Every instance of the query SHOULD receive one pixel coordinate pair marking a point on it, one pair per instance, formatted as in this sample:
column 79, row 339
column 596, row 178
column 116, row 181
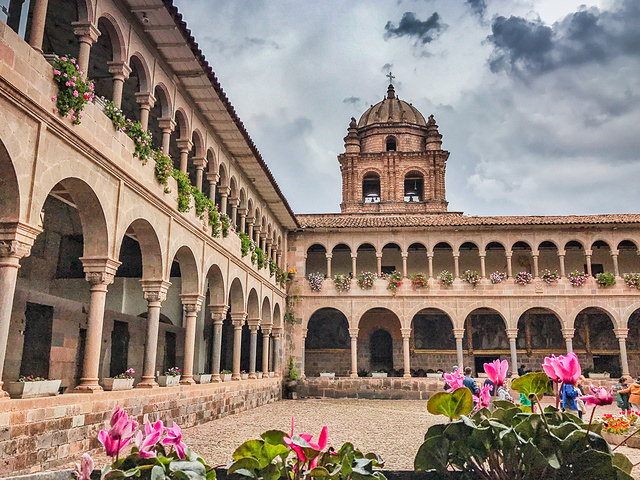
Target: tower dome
column 391, row 110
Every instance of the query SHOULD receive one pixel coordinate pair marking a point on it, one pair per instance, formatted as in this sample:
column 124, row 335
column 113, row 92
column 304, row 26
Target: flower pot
column 114, row 384
column 291, row 389
column 225, row 377
column 434, row 375
column 614, row 439
column 379, row 374
column 169, row 380
column 272, row 374
column 258, row 374
column 599, row 375
column 43, row 388
column 328, row 374
column 202, row 378
column 244, row 376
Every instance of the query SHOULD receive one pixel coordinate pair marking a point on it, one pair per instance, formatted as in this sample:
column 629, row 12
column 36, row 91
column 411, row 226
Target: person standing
column 469, row 382
column 569, row 394
column 622, row 399
column 634, row 394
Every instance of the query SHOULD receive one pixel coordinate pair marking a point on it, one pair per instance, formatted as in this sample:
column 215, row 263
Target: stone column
column 567, row 333
column 406, row 335
column 185, row 147
column 304, row 355
column 614, row 257
column 254, row 324
column 621, row 335
column 155, row 292
column 329, row 257
column 146, row 101
column 167, row 125
column 354, row 265
column 120, row 72
column 456, row 264
column 191, row 305
column 512, row 335
column 561, row 254
column 353, row 332
column 38, row 21
column 238, row 320
column 250, row 227
column 87, row 34
column 405, row 255
column 379, row 263
column 509, row 267
column 277, row 336
column 224, row 195
column 267, row 249
column 212, row 178
column 256, row 234
column 234, row 210
column 243, row 219
column 266, row 334
column 587, row 254
column 430, row 262
column 99, row 272
column 536, row 272
column 11, row 251
column 483, row 267
column 458, row 333
column 263, row 242
column 218, row 314
column 200, row 164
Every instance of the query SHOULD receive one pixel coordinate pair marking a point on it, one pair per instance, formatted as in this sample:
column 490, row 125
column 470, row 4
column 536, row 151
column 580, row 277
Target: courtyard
column 394, row 429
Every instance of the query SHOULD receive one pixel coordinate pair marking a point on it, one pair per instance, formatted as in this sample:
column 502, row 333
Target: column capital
column 328, row 255
column 234, row 201
column 119, row 70
column 155, row 291
column 212, row 177
column 404, row 254
column 253, row 324
column 262, row 234
column 621, row 333
column 145, row 99
column 199, row 162
column 458, row 333
column 304, row 333
column 456, row 254
column 614, row 253
column 192, row 302
column 406, row 332
column 567, row 333
column 99, row 271
column 561, row 253
column 353, row 332
column 238, row 319
column 588, row 252
column 87, row 31
column 535, row 253
column 266, row 329
column 277, row 331
column 354, row 255
column 512, row 333
column 378, row 254
column 184, row 145
column 508, row 254
column 429, row 253
column 242, row 212
column 14, row 249
column 166, row 123
column 482, row 253
column 224, row 191
column 218, row 313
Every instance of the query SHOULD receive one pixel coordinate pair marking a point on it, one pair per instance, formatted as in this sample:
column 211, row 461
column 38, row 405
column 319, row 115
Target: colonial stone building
column 102, row 270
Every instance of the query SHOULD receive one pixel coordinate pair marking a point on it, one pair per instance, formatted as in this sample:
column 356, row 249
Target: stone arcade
column 100, row 272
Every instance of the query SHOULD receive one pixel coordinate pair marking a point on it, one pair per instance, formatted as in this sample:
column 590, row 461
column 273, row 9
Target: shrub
column 315, row 281
column 472, row 277
column 549, row 276
column 293, row 370
column 419, row 281
column 606, row 279
column 395, row 281
column 445, row 278
column 342, row 282
column 366, row 279
column 632, row 280
column 74, row 91
column 245, row 244
column 497, row 277
column 523, row 278
column 578, row 278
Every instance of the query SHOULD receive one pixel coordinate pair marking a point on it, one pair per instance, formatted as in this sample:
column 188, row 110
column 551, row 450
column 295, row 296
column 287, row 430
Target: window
column 413, row 188
column 371, row 188
column 391, row 144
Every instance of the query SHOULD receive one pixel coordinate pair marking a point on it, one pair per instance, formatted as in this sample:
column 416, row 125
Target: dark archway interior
column 381, row 350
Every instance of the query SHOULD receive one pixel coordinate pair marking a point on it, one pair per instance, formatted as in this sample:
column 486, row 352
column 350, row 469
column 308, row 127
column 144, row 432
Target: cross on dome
column 390, row 76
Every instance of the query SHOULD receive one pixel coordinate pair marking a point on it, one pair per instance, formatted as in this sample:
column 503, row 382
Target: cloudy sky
column 538, row 101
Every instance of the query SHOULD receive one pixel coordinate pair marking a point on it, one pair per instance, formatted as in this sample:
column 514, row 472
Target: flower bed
column 445, row 278
column 549, row 276
column 30, row 387
column 497, row 277
column 523, row 278
column 316, row 279
column 471, row 277
column 632, row 280
column 577, row 278
column 419, row 280
column 366, row 279
column 342, row 282
column 395, row 281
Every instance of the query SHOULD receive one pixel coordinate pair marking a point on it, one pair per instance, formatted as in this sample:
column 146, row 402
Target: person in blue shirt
column 569, row 393
column 469, row 382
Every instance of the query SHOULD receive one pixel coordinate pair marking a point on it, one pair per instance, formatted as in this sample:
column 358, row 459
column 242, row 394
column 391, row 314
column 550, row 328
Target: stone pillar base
column 236, row 376
column 215, row 378
column 253, row 376
column 147, row 383
column 353, row 375
column 87, row 389
column 187, row 381
column 406, row 375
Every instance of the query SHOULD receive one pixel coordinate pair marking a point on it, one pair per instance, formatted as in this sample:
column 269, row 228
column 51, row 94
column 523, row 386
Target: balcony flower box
column 258, row 374
column 169, row 380
column 434, row 375
column 601, row 376
column 244, row 376
column 379, row 374
column 328, row 374
column 40, row 388
column 202, row 378
column 225, row 377
column 114, row 384
column 614, row 439
column 272, row 374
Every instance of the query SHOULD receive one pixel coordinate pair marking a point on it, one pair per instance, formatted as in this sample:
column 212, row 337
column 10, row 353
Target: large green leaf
column 244, row 466
column 452, row 405
column 535, row 383
column 274, row 437
column 622, row 462
column 433, row 454
column 250, row 448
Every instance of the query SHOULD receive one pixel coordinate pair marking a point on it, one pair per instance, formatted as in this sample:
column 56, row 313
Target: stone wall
column 45, row 432
column 392, row 388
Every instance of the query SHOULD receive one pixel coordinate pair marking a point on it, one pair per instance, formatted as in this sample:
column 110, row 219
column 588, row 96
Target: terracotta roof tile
column 338, row 220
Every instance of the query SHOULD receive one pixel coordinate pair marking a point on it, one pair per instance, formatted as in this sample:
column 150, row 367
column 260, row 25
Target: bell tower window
column 413, row 187
column 391, row 144
column 371, row 188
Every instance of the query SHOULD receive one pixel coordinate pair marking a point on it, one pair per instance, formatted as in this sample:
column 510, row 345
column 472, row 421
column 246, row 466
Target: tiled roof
column 338, row 220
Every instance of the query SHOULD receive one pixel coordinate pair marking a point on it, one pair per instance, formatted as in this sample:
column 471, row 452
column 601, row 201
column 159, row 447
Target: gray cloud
column 423, row 31
column 529, row 47
column 478, row 7
column 352, row 100
column 386, row 67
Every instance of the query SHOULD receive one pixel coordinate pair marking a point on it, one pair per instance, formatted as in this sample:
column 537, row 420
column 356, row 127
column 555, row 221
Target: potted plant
column 202, row 378
column 342, row 282
column 379, row 374
column 291, row 383
column 606, row 279
column 599, row 375
column 225, row 375
column 272, row 374
column 445, row 278
column 171, row 377
column 366, row 279
column 291, row 274
column 419, row 280
column 328, row 374
column 549, row 276
column 497, row 277
column 523, row 278
column 258, row 374
column 124, row 381
column 316, row 280
column 471, row 277
column 31, row 387
column 577, row 278
column 244, row 375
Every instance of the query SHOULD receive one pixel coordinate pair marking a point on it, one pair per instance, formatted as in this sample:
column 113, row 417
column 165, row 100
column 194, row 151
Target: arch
column 391, row 258
column 144, row 233
column 119, row 50
column 277, row 318
column 628, row 243
column 253, row 304
column 212, row 161
column 522, row 259
column 144, row 75
column 341, row 260
column 443, row 308
column 223, row 181
column 594, row 340
column 600, row 243
column 242, row 198
column 574, row 243
column 316, row 260
column 479, row 308
column 601, row 260
column 216, row 286
column 189, row 272
column 494, row 244
column 417, row 259
column 366, row 258
column 539, row 328
column 548, row 256
column 574, row 256
column 380, row 340
column 570, row 321
column 9, row 188
column 391, row 143
column 433, row 330
column 628, row 259
column 414, row 186
column 250, row 211
column 236, row 296
column 371, row 187
column 266, row 311
column 163, row 98
column 59, row 36
column 182, row 124
column 198, row 143
column 548, row 244
column 327, row 344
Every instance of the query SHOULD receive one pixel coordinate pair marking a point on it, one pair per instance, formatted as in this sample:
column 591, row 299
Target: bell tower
column 393, row 161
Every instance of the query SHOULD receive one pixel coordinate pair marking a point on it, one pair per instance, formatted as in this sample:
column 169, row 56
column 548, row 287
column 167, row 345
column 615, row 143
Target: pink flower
column 56, row 72
column 86, row 96
column 565, row 369
column 497, row 371
column 73, row 78
column 121, row 432
column 454, row 380
column 146, row 443
column 64, row 59
column 73, row 60
column 320, row 445
column 75, row 93
column 485, row 396
column 174, row 437
column 54, row 99
column 601, row 396
column 84, row 468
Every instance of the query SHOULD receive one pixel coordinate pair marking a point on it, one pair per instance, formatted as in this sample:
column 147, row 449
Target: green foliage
column 472, row 277
column 342, row 282
column 606, row 279
column 507, row 443
column 271, row 458
column 245, row 244
column 163, row 169
column 225, row 224
column 141, row 138
column 632, row 280
column 184, row 190
column 395, row 281
column 260, row 262
column 74, row 91
column 533, row 384
column 446, row 278
column 273, row 267
column 293, row 370
column 452, row 405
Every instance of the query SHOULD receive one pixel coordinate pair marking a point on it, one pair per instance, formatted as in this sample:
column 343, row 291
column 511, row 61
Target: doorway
column 36, row 352
column 119, row 348
column 381, row 348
